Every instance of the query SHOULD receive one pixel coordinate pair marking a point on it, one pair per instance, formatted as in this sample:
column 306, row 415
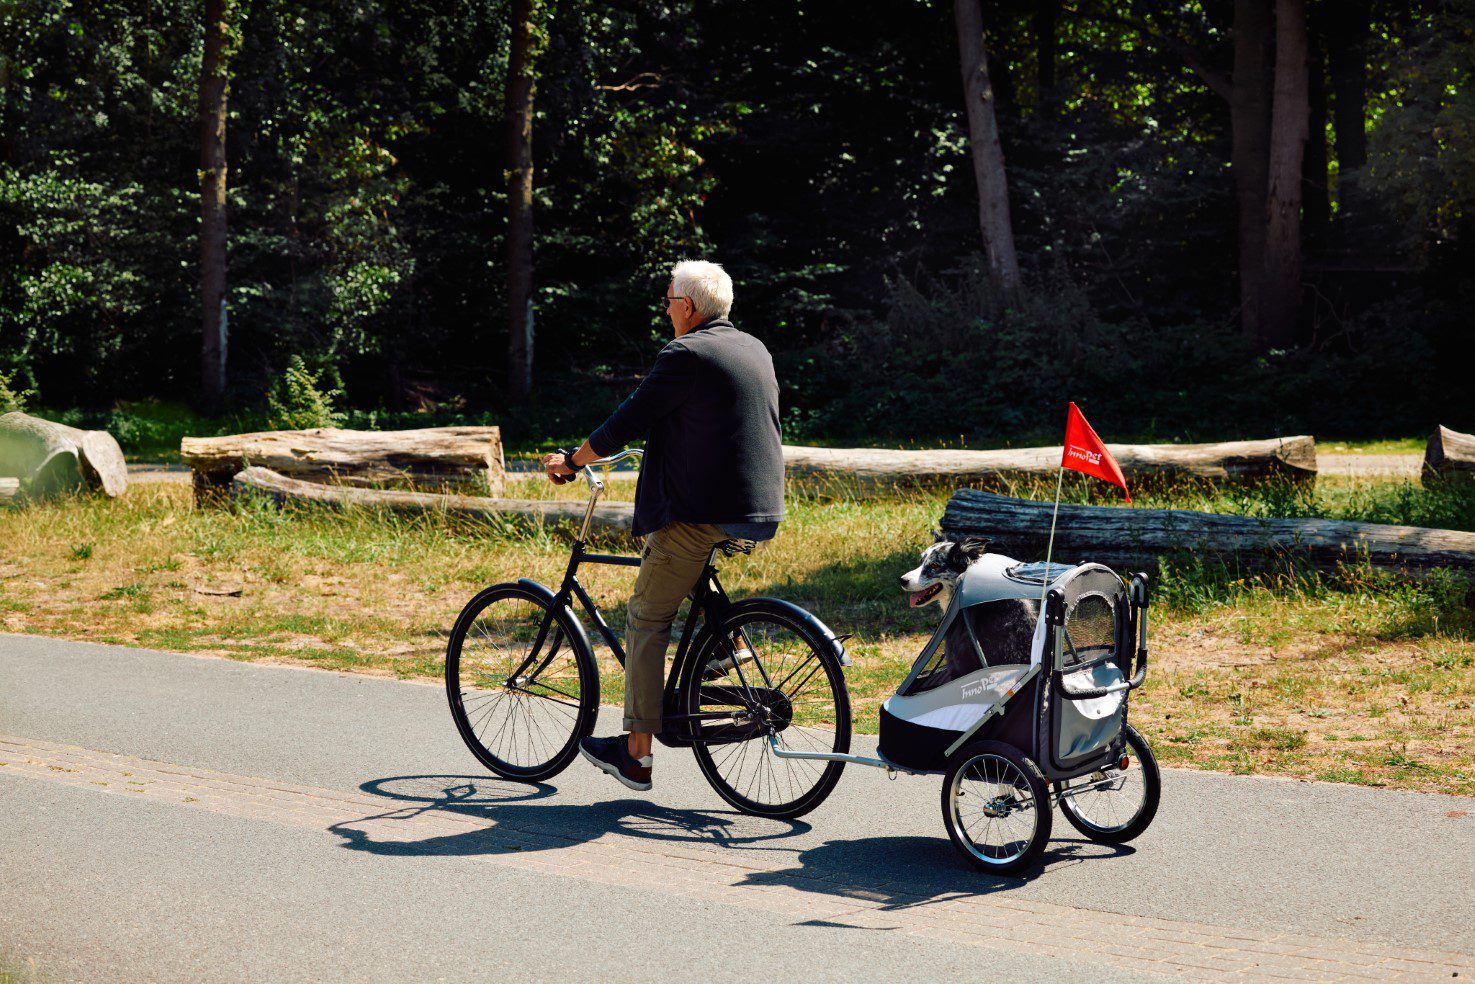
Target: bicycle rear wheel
column 768, row 671
column 520, row 711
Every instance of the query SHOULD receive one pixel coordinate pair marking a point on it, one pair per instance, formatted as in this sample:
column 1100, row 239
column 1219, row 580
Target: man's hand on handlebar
column 557, row 467
column 562, row 467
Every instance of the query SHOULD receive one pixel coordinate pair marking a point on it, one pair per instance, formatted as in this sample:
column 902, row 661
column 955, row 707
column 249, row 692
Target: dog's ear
column 974, row 546
column 965, row 552
column 938, row 536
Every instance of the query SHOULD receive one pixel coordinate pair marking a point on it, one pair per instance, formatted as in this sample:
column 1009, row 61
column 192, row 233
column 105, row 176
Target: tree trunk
column 607, row 515
column 214, row 94
column 1347, row 39
column 1047, row 18
column 988, row 156
column 434, row 456
column 521, row 84
column 1316, row 207
column 1046, row 27
column 51, row 458
column 1113, row 535
column 1234, row 461
column 1280, row 289
column 1250, row 149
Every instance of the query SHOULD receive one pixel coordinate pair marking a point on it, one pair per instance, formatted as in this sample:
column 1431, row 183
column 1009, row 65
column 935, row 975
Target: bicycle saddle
column 731, row 547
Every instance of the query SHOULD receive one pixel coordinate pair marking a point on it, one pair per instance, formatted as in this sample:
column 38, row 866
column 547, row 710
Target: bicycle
column 753, row 682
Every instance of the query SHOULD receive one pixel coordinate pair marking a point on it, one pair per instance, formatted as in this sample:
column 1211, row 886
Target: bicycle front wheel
column 768, row 672
column 522, row 685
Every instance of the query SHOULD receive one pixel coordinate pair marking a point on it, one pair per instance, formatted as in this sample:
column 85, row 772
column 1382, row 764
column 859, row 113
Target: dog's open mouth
column 919, row 598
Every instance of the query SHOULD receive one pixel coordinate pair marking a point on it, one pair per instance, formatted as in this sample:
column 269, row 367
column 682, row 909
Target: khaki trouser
column 670, row 564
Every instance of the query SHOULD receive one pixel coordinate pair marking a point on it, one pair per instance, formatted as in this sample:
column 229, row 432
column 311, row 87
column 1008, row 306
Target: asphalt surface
column 96, row 886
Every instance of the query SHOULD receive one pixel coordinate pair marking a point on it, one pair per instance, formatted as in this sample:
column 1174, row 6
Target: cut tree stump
column 9, row 490
column 607, row 515
column 49, row 458
column 434, row 457
column 1235, row 461
column 1020, row 528
column 1449, row 455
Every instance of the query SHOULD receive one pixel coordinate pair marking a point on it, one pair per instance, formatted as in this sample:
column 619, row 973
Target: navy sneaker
column 613, row 756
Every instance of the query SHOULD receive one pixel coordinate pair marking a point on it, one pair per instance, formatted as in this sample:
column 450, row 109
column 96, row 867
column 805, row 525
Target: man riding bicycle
column 713, row 471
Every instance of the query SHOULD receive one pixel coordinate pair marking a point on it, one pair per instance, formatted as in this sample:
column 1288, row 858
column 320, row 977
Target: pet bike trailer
column 1021, row 712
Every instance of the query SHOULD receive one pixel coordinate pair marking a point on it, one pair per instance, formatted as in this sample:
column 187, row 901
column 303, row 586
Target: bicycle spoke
column 786, row 687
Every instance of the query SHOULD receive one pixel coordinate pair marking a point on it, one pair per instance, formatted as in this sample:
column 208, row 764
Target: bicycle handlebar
column 596, row 484
column 621, row 456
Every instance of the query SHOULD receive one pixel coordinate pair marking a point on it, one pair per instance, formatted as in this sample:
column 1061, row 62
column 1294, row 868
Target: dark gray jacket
column 708, row 411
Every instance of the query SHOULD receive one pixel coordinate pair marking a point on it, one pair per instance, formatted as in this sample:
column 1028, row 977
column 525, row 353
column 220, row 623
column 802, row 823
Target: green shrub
column 12, row 399
column 297, row 400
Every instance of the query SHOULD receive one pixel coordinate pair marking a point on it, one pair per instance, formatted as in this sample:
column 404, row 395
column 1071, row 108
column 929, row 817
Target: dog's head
column 942, row 564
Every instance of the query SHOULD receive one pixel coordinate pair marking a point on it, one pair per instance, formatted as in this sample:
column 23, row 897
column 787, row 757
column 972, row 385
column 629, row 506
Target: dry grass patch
column 1358, row 678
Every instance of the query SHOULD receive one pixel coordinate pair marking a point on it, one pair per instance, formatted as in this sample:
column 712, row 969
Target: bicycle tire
column 528, row 732
column 1080, row 816
column 793, row 786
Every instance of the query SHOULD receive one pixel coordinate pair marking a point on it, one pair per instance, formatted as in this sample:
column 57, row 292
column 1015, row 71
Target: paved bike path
column 175, row 817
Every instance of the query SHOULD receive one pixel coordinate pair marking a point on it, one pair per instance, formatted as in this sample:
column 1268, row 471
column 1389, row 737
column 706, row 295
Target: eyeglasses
column 674, row 297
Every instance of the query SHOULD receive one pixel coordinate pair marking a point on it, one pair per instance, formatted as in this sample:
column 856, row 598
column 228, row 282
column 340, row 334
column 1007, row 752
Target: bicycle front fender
column 548, row 596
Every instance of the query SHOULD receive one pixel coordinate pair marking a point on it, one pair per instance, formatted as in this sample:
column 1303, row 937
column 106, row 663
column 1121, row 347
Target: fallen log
column 49, row 458
column 607, row 515
column 435, row 457
column 1113, row 535
column 1449, row 455
column 1234, row 461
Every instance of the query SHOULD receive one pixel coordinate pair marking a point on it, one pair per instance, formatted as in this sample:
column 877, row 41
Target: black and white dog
column 943, row 564
column 995, row 633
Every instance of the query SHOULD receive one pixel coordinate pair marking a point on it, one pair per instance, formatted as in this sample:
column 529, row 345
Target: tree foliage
column 817, row 148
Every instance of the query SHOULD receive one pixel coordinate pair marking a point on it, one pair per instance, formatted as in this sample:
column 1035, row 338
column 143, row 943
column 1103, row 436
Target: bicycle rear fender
column 546, row 593
column 811, row 621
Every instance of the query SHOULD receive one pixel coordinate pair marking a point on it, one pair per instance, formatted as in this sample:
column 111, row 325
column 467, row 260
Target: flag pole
column 1050, row 547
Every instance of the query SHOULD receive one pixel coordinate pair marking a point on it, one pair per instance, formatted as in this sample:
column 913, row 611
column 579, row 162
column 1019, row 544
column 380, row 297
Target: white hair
column 707, row 284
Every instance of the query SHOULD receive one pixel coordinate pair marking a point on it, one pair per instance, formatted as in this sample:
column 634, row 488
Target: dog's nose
column 903, row 580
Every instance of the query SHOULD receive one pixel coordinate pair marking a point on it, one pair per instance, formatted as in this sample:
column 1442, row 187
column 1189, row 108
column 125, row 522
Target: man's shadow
column 894, row 872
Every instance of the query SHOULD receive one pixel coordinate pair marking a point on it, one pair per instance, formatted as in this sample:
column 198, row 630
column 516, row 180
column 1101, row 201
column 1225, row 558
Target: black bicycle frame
column 709, row 604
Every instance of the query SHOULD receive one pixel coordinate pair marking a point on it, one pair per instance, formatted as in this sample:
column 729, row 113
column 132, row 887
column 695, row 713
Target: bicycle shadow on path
column 885, row 872
column 513, row 823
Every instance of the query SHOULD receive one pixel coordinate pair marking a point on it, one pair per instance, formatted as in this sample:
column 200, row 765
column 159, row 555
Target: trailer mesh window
column 1090, row 630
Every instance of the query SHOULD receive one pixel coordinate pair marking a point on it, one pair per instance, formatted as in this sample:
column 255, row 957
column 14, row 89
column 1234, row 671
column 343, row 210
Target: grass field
column 1358, row 677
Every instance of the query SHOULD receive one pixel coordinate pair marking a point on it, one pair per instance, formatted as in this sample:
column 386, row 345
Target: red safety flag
column 1084, row 452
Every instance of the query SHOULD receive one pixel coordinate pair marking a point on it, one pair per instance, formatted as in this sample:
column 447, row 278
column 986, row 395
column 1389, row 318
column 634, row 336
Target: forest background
column 405, row 195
